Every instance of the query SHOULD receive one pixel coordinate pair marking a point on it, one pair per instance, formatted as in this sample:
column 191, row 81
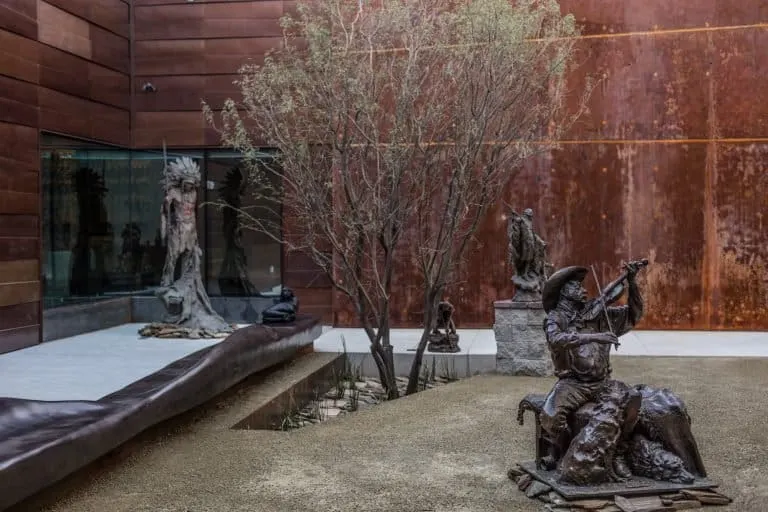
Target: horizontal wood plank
column 169, row 57
column 19, row 56
column 185, row 92
column 19, row 147
column 110, row 49
column 64, row 72
column 12, row 180
column 19, row 315
column 68, row 114
column 177, row 128
column 200, row 56
column 16, row 339
column 19, row 271
column 20, row 17
column 113, row 15
column 18, row 248
column 18, row 226
column 138, row 3
column 19, row 293
column 19, row 202
column 234, row 19
column 18, row 102
column 63, row 30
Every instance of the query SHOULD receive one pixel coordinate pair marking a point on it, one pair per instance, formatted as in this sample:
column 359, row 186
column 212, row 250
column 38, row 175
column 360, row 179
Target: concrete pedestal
column 521, row 346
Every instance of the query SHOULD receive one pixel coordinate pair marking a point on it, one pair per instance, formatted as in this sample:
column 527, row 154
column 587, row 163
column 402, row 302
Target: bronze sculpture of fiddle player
column 579, row 334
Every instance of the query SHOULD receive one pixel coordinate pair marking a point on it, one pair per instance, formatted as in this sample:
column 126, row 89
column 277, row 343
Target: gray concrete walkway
column 89, row 366
column 93, row 365
column 478, row 347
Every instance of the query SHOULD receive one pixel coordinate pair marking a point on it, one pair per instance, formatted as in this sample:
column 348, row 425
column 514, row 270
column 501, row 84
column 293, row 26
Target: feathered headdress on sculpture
column 180, row 170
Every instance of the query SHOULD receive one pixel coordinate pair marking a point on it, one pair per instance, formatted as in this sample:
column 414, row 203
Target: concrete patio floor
column 478, row 347
column 445, row 449
column 89, row 366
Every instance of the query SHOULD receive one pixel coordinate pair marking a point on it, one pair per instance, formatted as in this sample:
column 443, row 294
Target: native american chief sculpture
column 595, row 429
column 185, row 299
column 527, row 255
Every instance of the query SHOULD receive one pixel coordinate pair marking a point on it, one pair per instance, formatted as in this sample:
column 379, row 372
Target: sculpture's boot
column 557, row 448
column 620, row 465
column 631, row 415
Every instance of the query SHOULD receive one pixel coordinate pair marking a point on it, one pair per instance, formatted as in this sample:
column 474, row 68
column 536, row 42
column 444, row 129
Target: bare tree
column 398, row 123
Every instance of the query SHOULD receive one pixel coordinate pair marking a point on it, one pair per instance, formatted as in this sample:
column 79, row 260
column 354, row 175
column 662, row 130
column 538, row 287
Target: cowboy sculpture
column 597, row 429
column 580, row 333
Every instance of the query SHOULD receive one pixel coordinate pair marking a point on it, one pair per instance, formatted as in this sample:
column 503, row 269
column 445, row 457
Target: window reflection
column 240, row 260
column 85, row 204
column 101, row 223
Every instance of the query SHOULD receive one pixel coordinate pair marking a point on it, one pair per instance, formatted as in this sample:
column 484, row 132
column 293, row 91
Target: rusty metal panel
column 740, row 270
column 613, row 17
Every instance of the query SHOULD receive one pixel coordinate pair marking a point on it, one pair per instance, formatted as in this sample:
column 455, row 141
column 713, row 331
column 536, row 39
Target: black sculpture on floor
column 447, row 341
column 593, row 430
column 283, row 310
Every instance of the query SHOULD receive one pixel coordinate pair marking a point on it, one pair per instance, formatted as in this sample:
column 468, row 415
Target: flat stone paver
column 445, row 449
column 89, row 366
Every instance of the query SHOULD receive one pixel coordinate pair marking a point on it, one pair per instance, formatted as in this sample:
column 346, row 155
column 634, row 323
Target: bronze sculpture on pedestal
column 448, row 341
column 595, row 435
column 527, row 253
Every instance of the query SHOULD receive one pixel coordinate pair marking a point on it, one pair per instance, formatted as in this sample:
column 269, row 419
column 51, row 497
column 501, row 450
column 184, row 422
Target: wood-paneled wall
column 64, row 67
column 192, row 51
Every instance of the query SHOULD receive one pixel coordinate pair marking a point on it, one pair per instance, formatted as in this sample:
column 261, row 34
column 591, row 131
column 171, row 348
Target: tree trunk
column 413, row 377
column 382, row 356
column 429, row 318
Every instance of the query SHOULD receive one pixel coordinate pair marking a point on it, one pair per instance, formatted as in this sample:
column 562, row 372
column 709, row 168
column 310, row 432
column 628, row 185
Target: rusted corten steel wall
column 671, row 163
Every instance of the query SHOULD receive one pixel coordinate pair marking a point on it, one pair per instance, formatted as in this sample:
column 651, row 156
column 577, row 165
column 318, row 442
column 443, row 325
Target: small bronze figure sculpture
column 284, row 309
column 593, row 430
column 527, row 253
column 447, row 341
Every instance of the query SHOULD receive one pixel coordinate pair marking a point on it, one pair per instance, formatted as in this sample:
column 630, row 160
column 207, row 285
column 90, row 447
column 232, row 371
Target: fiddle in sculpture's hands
column 604, row 338
column 633, row 267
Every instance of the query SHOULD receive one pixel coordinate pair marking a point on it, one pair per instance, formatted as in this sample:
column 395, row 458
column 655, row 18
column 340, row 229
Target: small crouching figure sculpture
column 447, row 341
column 284, row 310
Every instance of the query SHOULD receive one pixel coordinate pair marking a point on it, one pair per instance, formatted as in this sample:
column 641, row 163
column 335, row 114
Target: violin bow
column 605, row 310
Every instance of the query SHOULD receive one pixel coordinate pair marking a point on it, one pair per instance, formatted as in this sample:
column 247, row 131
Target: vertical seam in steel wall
column 40, row 207
column 131, row 73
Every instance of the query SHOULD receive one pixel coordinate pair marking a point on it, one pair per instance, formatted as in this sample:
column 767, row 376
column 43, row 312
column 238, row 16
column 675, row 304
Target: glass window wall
column 101, row 223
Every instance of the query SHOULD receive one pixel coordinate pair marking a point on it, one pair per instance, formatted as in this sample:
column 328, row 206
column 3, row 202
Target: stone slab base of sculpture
column 521, row 345
column 443, row 343
column 638, row 494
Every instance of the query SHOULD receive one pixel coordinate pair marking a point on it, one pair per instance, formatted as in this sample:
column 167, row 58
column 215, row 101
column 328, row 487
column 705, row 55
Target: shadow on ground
column 447, row 449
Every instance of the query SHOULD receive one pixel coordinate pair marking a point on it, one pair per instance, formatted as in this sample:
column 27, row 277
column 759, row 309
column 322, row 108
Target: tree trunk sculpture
column 189, row 311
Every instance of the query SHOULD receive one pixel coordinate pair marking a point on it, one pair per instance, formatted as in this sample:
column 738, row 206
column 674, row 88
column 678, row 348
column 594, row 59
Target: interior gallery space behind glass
column 101, row 222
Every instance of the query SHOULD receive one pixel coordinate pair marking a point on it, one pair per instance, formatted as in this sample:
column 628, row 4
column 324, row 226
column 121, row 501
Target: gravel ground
column 446, row 449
